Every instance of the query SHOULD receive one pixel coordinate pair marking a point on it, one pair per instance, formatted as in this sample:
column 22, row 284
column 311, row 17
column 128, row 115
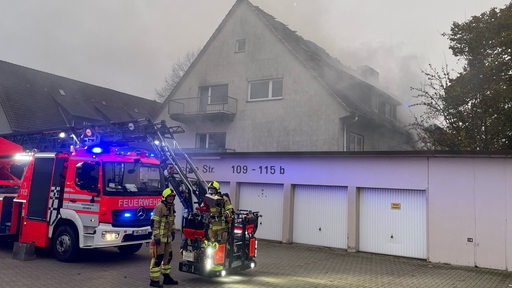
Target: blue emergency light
column 97, row 150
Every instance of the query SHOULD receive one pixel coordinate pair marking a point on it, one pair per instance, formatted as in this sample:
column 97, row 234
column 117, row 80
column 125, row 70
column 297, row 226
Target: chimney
column 368, row 74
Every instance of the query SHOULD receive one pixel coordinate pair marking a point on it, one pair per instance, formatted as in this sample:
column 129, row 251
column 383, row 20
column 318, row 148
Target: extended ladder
column 182, row 174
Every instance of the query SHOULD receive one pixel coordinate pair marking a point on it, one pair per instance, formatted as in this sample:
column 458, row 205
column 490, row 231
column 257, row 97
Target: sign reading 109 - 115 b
column 245, row 169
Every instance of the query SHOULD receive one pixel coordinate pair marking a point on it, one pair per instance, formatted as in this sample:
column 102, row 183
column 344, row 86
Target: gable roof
column 341, row 80
column 35, row 101
column 352, row 91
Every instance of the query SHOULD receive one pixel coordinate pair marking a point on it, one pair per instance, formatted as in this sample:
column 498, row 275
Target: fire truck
column 102, row 195
column 94, row 196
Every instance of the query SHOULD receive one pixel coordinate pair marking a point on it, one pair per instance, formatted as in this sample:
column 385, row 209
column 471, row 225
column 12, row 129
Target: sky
column 131, row 45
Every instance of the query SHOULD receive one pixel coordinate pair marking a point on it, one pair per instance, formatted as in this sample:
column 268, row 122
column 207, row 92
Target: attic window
column 240, row 46
column 136, row 110
column 103, row 102
column 62, row 92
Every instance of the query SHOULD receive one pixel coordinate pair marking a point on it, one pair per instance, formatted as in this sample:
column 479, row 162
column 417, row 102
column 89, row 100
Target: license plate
column 189, row 256
column 140, row 232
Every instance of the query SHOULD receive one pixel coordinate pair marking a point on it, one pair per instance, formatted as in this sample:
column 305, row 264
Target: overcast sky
column 131, row 45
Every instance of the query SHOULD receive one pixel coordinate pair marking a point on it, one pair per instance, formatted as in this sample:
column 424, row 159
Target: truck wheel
column 129, row 249
column 65, row 244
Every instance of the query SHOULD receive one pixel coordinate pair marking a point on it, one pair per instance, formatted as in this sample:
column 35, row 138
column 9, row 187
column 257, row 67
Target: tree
column 473, row 109
column 178, row 70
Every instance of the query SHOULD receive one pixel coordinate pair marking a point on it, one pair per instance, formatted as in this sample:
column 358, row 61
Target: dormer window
column 240, row 46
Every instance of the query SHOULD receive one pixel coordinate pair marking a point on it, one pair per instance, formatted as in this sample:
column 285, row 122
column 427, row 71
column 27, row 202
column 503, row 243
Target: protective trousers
column 162, row 262
column 218, row 231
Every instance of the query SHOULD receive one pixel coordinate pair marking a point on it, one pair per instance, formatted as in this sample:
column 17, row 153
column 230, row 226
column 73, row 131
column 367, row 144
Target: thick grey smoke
column 130, row 45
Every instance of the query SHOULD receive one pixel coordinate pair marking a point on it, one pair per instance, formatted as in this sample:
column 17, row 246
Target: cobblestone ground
column 279, row 265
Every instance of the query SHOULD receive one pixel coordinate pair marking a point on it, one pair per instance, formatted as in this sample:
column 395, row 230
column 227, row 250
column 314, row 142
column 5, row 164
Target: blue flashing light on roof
column 97, row 150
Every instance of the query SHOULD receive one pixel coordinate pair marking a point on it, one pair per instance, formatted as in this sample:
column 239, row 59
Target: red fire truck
column 91, row 197
column 102, row 195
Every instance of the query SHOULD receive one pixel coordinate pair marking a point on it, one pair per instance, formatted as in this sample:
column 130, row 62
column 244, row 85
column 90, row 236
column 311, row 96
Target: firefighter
column 163, row 235
column 220, row 215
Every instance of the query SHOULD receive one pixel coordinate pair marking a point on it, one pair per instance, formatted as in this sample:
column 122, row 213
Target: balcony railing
column 197, row 108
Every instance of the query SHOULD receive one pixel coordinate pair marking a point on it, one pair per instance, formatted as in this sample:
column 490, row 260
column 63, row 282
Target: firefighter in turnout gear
column 219, row 207
column 163, row 235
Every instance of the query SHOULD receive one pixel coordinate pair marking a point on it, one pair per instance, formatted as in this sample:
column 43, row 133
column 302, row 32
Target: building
column 35, row 105
column 258, row 86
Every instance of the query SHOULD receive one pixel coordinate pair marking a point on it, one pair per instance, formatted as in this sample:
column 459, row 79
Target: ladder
column 183, row 175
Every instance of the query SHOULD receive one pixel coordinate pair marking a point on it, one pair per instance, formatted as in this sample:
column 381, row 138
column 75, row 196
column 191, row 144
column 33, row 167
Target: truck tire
column 129, row 249
column 65, row 244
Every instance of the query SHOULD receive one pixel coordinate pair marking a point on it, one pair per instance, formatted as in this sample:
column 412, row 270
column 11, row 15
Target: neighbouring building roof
column 34, row 101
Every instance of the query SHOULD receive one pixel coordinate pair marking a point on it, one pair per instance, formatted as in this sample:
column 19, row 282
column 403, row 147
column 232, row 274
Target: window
column 266, row 89
column 387, row 110
column 355, row 142
column 135, row 179
column 86, row 176
column 211, row 141
column 240, row 45
column 217, row 94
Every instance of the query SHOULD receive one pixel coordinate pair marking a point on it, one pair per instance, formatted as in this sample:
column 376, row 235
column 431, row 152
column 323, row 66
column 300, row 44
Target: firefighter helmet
column 214, row 187
column 168, row 192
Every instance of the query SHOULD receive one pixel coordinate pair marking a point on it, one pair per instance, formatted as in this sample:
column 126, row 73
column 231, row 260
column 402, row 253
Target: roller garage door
column 393, row 222
column 268, row 200
column 320, row 215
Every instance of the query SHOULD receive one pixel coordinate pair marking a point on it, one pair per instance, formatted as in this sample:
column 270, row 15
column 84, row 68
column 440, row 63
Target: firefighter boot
column 169, row 281
column 155, row 283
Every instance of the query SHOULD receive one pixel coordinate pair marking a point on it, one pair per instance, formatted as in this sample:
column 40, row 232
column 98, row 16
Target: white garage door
column 268, row 200
column 393, row 222
column 320, row 215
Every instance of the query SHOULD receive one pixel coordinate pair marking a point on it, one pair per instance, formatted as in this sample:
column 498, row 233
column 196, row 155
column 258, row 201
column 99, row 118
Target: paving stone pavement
column 279, row 265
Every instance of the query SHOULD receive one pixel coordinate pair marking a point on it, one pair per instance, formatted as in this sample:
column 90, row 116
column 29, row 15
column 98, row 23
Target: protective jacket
column 163, row 221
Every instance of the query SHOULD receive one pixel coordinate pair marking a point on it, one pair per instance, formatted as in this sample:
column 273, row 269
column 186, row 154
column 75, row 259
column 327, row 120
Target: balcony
column 186, row 110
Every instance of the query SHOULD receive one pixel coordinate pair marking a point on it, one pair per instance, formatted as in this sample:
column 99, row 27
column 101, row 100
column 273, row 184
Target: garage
column 393, row 222
column 320, row 215
column 268, row 200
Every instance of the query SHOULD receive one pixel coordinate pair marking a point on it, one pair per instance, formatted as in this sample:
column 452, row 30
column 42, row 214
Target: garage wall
column 468, row 198
column 468, row 211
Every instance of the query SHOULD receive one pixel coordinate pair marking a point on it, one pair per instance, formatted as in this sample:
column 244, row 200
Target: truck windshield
column 132, row 179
